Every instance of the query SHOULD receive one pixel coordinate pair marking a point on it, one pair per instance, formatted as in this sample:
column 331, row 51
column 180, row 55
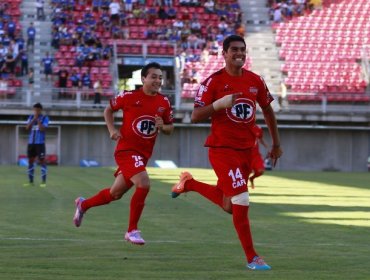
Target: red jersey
column 138, row 125
column 258, row 132
column 232, row 127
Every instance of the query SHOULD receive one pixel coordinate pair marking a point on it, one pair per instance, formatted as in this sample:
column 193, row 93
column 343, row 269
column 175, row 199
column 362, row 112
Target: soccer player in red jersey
column 257, row 164
column 229, row 98
column 146, row 112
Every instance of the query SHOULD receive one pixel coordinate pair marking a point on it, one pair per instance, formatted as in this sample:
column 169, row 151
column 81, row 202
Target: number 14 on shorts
column 237, row 178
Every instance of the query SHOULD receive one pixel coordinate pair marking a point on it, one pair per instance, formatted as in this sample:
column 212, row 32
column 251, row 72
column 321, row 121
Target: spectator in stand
column 62, row 82
column 56, row 37
column 204, row 56
column 9, row 64
column 47, row 62
column 96, row 4
column 31, row 34
column 98, row 91
column 277, row 15
column 11, row 28
column 240, row 30
column 193, row 41
column 195, row 77
column 171, row 13
column 24, row 63
column 6, row 40
column 128, row 5
column 40, row 9
column 209, row 6
column 86, row 85
column 162, row 13
column 157, row 3
column 75, row 78
column 195, row 26
column 222, row 25
column 114, row 11
column 300, row 7
column 178, row 23
column 168, row 3
column 185, row 76
column 116, row 32
column 20, row 42
column 31, row 78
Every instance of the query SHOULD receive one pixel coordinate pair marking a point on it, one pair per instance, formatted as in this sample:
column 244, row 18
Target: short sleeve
column 29, row 119
column 205, row 93
column 168, row 113
column 45, row 121
column 118, row 102
column 264, row 97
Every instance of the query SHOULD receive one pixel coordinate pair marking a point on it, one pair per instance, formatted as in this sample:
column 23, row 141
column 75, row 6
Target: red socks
column 101, row 198
column 208, row 191
column 241, row 224
column 136, row 207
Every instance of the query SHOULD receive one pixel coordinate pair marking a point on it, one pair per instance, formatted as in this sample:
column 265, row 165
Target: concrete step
column 245, row 4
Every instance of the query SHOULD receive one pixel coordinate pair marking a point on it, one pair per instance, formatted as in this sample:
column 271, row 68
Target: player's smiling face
column 153, row 81
column 235, row 54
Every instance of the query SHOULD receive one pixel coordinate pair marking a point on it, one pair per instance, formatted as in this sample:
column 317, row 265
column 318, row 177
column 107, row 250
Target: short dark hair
column 145, row 70
column 232, row 38
column 37, row 105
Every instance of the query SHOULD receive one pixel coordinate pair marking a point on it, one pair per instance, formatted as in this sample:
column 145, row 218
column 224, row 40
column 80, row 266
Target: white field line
column 278, row 245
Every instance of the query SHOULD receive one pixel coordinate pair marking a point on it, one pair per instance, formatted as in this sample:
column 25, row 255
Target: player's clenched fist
column 158, row 122
column 225, row 102
column 115, row 135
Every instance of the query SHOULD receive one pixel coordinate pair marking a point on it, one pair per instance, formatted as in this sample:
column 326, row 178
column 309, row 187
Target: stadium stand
column 81, row 44
column 322, row 50
column 11, row 46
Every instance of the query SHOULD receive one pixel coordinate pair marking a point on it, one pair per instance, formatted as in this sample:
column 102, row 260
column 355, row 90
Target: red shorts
column 257, row 160
column 129, row 164
column 232, row 168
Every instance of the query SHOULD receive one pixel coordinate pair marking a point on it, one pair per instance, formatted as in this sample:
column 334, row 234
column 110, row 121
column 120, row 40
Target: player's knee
column 241, row 199
column 228, row 208
column 116, row 194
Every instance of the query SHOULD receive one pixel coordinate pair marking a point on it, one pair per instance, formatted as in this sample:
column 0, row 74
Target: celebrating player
column 257, row 165
column 36, row 125
column 229, row 97
column 146, row 112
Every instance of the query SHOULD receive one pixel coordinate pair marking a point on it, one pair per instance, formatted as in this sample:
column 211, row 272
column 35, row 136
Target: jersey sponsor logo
column 253, row 90
column 227, row 88
column 243, row 111
column 144, row 126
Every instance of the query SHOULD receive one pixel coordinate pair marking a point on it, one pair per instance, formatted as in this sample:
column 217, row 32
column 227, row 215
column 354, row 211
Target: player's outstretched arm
column 270, row 120
column 109, row 120
column 204, row 113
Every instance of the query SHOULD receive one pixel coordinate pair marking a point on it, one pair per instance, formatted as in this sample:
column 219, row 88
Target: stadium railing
column 54, row 97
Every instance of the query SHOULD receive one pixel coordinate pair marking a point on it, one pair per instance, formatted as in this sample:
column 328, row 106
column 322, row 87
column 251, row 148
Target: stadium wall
column 305, row 147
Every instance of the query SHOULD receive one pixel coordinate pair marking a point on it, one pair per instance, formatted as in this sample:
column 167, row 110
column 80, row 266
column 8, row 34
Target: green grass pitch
column 306, row 225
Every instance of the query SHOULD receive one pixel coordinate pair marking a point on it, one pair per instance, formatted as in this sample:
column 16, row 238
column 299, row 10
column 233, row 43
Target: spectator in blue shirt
column 31, row 34
column 11, row 29
column 86, row 85
column 47, row 62
column 24, row 63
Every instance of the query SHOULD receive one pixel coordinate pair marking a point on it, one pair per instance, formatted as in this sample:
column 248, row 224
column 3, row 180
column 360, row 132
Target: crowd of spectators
column 88, row 26
column 284, row 10
column 12, row 45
